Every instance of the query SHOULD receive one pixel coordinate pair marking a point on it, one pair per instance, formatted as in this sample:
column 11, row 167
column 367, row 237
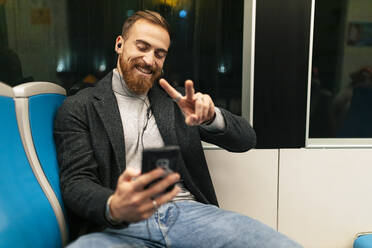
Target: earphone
column 119, row 45
column 148, row 110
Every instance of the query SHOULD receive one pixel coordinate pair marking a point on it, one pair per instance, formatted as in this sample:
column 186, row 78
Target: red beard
column 137, row 83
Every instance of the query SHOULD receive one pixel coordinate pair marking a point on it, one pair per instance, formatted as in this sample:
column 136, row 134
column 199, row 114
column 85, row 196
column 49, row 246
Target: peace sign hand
column 197, row 108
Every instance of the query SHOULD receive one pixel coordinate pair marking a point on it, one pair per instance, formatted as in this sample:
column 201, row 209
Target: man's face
column 143, row 55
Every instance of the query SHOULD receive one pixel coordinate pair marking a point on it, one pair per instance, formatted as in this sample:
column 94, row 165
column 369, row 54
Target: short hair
column 151, row 16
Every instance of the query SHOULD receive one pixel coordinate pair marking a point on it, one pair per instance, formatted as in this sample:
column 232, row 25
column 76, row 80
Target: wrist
column 208, row 122
column 108, row 213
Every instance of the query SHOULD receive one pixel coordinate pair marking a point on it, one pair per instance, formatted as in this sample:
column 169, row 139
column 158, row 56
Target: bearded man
column 100, row 134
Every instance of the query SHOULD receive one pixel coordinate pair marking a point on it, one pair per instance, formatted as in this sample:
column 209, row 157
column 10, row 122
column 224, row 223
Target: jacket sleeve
column 238, row 135
column 80, row 185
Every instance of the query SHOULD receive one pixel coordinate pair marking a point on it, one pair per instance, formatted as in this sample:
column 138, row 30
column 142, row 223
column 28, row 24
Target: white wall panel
column 325, row 195
column 246, row 182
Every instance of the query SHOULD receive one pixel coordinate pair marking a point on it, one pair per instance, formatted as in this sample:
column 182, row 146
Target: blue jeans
column 190, row 224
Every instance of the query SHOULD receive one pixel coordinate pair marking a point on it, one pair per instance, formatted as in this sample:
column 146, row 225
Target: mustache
column 139, row 62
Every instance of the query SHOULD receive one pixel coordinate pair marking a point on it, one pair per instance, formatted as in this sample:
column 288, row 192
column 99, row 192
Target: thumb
column 129, row 174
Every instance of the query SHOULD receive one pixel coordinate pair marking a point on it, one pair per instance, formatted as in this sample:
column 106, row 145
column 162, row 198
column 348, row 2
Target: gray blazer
column 91, row 152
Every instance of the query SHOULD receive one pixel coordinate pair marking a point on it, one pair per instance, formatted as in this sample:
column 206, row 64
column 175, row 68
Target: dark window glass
column 71, row 42
column 341, row 85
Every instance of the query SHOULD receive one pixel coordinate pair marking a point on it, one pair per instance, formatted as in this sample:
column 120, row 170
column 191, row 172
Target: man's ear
column 119, row 44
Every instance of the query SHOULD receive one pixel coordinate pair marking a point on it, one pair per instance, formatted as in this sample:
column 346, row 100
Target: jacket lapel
column 164, row 111
column 162, row 107
column 108, row 110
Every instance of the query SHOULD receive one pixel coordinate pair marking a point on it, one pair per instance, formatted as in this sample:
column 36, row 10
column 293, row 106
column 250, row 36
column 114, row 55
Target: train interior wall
column 318, row 197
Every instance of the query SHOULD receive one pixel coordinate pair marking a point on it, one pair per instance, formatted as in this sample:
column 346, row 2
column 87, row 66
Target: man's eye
column 160, row 55
column 142, row 48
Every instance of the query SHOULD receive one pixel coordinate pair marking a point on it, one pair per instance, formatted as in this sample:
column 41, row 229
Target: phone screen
column 164, row 157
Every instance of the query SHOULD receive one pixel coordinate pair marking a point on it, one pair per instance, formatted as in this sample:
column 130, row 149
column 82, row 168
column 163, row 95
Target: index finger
column 129, row 174
column 172, row 92
column 146, row 178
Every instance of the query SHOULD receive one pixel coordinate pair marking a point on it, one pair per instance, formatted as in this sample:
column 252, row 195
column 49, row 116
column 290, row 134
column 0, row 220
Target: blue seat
column 364, row 240
column 26, row 216
column 42, row 111
column 36, row 106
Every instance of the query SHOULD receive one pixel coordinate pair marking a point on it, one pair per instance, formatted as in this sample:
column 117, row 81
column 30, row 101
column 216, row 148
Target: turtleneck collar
column 119, row 86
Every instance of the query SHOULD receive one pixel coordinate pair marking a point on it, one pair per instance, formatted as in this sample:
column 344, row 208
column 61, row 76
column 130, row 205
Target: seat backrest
column 27, row 218
column 42, row 108
column 36, row 105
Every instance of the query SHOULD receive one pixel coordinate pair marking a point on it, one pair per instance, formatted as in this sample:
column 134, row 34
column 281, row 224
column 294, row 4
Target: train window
column 71, row 42
column 340, row 74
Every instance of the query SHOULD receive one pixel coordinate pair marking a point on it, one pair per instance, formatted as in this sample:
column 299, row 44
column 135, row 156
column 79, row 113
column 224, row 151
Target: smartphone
column 164, row 157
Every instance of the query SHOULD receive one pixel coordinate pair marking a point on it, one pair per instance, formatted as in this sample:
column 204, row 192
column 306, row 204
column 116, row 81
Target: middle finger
column 189, row 88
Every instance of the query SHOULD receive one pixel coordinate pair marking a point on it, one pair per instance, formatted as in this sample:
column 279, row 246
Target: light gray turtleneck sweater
column 135, row 114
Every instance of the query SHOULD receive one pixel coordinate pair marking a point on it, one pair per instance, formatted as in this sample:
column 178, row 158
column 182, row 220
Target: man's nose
column 149, row 59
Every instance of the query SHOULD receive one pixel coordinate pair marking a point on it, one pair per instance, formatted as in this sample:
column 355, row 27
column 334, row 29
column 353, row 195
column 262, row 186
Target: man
column 101, row 132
